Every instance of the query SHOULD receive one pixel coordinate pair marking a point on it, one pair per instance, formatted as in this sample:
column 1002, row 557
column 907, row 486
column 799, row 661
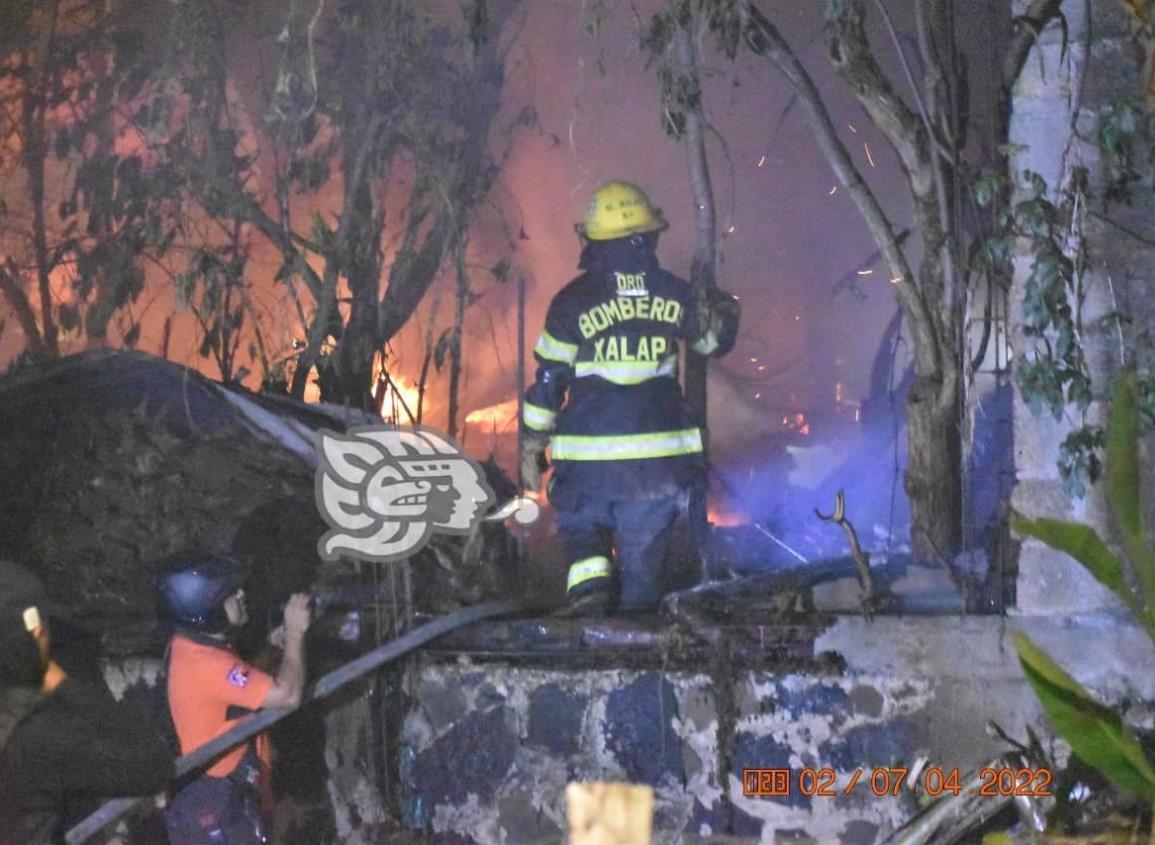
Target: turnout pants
column 633, row 533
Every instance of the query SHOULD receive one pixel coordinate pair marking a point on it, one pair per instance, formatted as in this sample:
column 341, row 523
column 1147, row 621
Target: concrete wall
column 488, row 749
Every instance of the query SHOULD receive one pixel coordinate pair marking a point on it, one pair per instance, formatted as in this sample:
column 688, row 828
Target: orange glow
column 796, row 422
column 724, row 517
column 499, row 417
column 395, row 395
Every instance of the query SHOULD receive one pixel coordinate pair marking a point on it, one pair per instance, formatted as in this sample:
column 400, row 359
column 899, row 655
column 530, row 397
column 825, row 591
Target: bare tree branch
column 10, row 287
column 764, row 39
column 909, row 74
column 856, row 65
column 705, row 253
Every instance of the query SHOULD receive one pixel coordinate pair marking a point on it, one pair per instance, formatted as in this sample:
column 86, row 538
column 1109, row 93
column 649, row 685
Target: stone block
column 474, row 756
column 866, row 701
column 1050, row 583
column 882, row 744
column 523, row 822
column 720, row 819
column 749, row 699
column 698, row 708
column 811, row 699
column 639, row 730
column 555, row 719
column 1112, row 72
column 752, row 751
column 859, row 832
column 444, row 701
column 1111, row 20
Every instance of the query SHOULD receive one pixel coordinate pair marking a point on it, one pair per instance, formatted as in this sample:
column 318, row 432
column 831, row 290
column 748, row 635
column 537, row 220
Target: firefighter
column 210, row 687
column 625, row 448
column 63, row 741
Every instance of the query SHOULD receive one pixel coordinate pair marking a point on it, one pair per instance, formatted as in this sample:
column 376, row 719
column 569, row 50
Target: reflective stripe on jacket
column 607, row 390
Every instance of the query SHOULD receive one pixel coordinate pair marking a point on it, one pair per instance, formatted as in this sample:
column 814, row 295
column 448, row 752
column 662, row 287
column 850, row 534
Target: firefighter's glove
column 719, row 314
column 533, row 460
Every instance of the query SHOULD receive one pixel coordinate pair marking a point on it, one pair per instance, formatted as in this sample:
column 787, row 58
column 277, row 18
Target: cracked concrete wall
column 489, row 752
column 1066, row 86
column 488, row 749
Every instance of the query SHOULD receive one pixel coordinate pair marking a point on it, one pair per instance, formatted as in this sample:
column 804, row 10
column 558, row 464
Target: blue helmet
column 193, row 588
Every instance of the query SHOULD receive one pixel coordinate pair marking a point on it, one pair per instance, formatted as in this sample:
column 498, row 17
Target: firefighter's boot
column 590, row 604
column 588, row 587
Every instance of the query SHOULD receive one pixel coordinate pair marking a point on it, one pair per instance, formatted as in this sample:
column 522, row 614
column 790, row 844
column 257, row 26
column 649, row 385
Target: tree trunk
column 933, row 481
column 705, row 258
column 352, row 376
column 34, row 143
column 455, row 343
column 702, row 268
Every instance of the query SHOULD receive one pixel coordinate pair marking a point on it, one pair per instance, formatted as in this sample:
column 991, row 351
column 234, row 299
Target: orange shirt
column 203, row 681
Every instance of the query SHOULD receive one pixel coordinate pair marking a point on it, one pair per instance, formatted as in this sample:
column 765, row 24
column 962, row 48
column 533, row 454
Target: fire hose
column 325, row 686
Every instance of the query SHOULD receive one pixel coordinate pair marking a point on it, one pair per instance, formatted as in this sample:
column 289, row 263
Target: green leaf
column 1123, row 491
column 988, row 186
column 1095, row 732
column 1085, row 545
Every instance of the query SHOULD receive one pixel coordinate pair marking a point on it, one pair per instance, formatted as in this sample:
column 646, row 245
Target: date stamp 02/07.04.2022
column 889, row 780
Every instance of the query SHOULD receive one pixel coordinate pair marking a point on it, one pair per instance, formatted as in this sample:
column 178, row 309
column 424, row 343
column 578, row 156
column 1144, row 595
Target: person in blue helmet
column 625, row 448
column 210, row 687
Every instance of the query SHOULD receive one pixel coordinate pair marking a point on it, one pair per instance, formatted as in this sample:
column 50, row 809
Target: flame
column 502, row 416
column 396, row 396
column 723, row 517
column 796, row 422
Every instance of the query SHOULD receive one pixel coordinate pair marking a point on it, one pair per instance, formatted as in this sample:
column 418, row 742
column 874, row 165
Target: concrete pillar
column 1057, row 104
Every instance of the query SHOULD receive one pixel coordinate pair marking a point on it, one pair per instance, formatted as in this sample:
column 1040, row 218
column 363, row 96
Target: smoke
column 784, row 240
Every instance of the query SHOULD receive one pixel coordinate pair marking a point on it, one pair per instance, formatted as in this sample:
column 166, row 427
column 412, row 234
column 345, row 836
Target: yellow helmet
column 619, row 209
